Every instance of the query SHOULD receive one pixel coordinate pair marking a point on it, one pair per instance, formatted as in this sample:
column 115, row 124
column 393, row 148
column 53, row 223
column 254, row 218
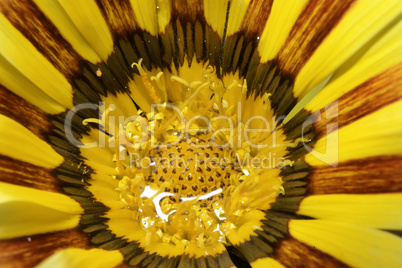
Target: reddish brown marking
column 120, row 17
column 24, row 174
column 188, row 10
column 31, row 250
column 292, row 253
column 369, row 175
column 24, row 113
column 315, row 22
column 43, row 34
column 368, row 97
column 256, row 17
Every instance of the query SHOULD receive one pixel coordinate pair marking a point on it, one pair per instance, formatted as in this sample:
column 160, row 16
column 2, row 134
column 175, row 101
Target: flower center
column 178, row 191
column 196, row 169
column 191, row 171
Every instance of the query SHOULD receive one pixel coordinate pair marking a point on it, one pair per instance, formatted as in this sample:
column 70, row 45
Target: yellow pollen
column 98, row 72
column 146, row 82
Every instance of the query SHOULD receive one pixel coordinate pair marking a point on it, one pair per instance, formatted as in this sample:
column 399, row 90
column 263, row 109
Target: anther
column 145, row 81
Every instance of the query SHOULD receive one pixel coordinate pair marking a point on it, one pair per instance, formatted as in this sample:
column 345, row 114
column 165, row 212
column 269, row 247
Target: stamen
column 233, row 84
column 180, row 80
column 209, row 70
column 91, row 120
column 183, row 105
column 297, row 141
column 101, row 121
column 139, row 67
column 195, row 84
column 159, row 84
column 145, row 81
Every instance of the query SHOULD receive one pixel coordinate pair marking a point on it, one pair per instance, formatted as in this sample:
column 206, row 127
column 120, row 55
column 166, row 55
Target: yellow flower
column 200, row 133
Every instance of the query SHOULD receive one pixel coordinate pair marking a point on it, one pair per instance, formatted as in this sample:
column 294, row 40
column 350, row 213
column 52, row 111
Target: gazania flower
column 200, row 133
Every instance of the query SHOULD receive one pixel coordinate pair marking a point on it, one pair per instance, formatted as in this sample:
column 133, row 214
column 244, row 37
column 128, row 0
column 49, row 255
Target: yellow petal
column 24, row 218
column 25, row 58
column 281, row 20
column 357, row 246
column 379, row 133
column 97, row 153
column 88, row 19
column 31, row 211
column 236, row 14
column 19, row 143
column 103, row 188
column 359, row 25
column 58, row 16
column 120, row 221
column 246, row 19
column 291, row 253
column 16, row 82
column 75, row 258
column 247, row 224
column 215, row 15
column 56, row 201
column 381, row 56
column 373, row 210
column 163, row 13
column 146, row 16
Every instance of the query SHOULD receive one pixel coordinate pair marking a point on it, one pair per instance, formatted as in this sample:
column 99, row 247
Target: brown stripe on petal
column 368, row 97
column 188, row 35
column 257, row 247
column 188, row 10
column 136, row 256
column 222, row 260
column 120, row 17
column 24, row 174
column 256, row 17
column 26, row 16
column 187, row 25
column 29, row 251
column 122, row 22
column 187, row 28
column 370, row 175
column 315, row 22
column 292, row 253
column 25, row 113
